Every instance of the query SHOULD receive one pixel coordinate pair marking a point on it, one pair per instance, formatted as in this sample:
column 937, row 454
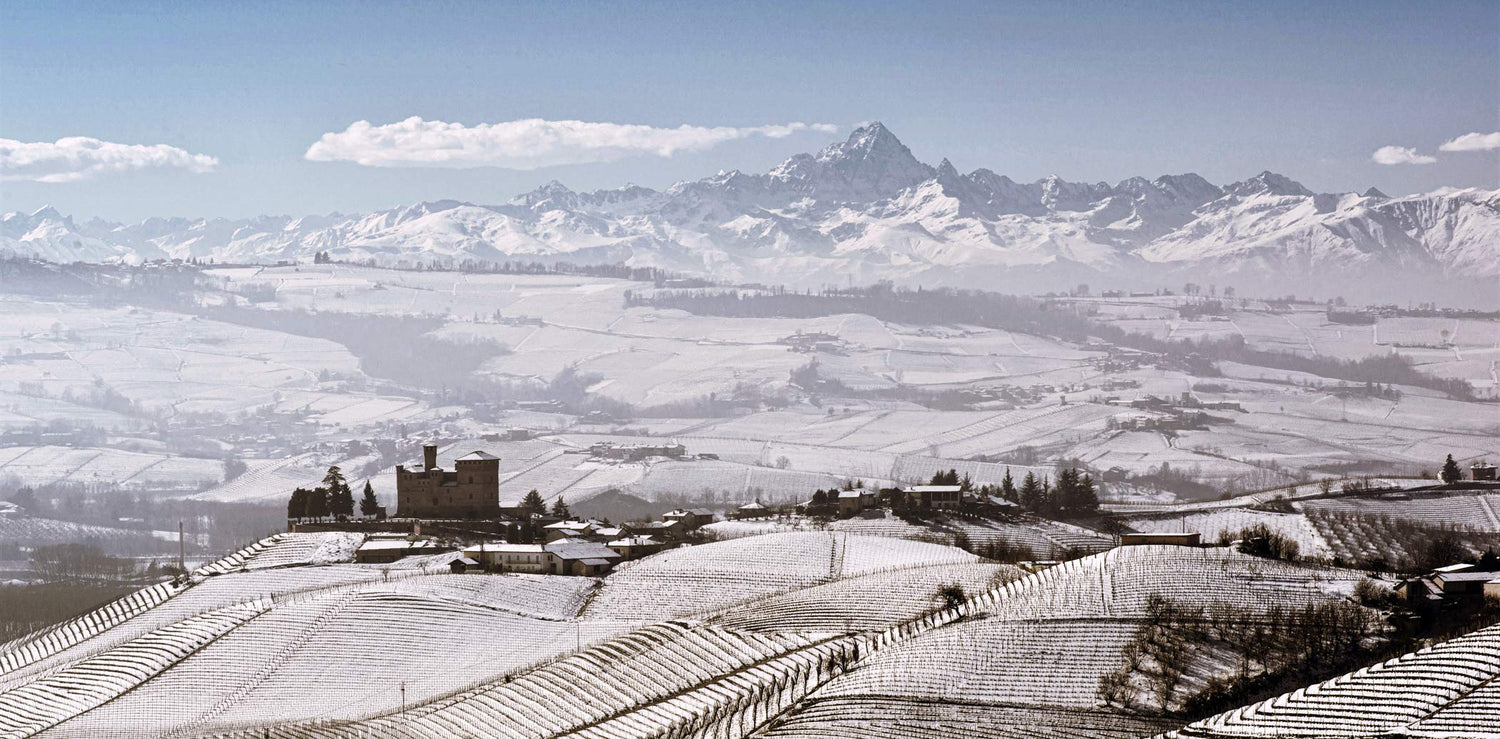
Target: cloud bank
column 80, row 158
column 525, row 144
column 1400, row 155
column 1473, row 142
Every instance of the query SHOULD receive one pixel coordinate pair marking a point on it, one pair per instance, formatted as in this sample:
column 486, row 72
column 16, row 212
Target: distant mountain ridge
column 866, row 209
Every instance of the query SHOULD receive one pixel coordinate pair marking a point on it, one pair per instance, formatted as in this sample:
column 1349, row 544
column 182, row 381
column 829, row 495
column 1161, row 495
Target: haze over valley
column 613, row 372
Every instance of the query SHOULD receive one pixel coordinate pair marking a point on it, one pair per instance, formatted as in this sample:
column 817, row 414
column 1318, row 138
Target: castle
column 470, row 490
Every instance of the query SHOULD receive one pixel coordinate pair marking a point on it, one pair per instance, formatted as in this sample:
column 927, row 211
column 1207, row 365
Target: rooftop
column 573, row 549
column 506, row 548
column 477, row 456
column 1469, row 576
column 634, row 541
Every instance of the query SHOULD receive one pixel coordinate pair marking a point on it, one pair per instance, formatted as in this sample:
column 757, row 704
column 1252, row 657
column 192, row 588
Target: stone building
column 470, row 490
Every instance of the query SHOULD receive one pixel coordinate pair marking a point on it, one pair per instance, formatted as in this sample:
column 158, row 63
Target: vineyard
column 796, row 634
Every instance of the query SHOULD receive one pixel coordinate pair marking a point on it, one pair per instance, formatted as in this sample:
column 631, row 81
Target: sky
column 129, row 110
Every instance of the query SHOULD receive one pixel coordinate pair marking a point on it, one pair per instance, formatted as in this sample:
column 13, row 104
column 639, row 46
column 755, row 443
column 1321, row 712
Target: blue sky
column 1087, row 91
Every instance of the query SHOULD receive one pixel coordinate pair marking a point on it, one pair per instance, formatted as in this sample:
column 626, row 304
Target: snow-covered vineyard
column 1449, row 690
column 799, row 634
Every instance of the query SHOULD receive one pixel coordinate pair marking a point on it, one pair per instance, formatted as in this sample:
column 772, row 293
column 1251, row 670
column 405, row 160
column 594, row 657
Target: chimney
column 429, row 457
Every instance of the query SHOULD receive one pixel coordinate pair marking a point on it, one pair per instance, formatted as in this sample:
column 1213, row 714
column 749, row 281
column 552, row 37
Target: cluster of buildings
column 813, row 341
column 567, row 547
column 636, row 452
column 1457, row 587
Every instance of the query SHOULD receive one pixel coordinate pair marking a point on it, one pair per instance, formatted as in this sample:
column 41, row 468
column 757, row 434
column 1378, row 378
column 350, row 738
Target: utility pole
column 181, row 549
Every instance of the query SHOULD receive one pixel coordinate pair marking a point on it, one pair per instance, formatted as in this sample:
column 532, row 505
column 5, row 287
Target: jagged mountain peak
column 872, row 164
column 1375, row 192
column 1269, row 183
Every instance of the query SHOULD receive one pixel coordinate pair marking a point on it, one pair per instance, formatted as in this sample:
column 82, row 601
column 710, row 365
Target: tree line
column 947, row 306
column 334, row 499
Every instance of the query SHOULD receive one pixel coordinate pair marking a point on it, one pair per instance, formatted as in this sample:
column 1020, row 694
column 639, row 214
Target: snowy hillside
column 866, row 209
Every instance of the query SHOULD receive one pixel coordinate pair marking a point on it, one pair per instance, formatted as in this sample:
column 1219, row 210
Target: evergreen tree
column 1451, row 473
column 368, row 505
column 1046, row 500
column 296, row 508
column 559, row 508
column 819, row 500
column 1087, row 496
column 317, row 504
column 26, row 498
column 1030, row 493
column 1061, row 500
column 340, row 497
column 533, row 505
column 1008, row 486
column 967, row 483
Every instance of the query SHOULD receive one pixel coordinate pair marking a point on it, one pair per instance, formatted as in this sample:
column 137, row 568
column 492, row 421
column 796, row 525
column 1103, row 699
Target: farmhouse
column 934, row 497
column 1455, row 585
column 854, row 501
column 470, row 490
column 751, row 510
column 382, row 550
column 1481, row 471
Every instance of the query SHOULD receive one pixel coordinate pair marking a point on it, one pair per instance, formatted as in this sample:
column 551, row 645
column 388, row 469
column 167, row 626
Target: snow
column 863, row 208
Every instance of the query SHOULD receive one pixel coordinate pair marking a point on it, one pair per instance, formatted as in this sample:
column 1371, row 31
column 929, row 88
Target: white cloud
column 79, row 158
column 1400, row 155
column 1473, row 142
column 525, row 144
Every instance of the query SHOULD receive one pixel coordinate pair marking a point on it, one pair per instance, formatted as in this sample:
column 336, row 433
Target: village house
column 1482, row 471
column 690, row 519
column 470, row 490
column 568, row 530
column 661, row 530
column 933, row 497
column 504, row 557
column 635, row 547
column 583, row 558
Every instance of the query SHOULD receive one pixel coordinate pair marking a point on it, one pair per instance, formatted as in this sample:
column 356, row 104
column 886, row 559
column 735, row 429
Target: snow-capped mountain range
column 867, row 209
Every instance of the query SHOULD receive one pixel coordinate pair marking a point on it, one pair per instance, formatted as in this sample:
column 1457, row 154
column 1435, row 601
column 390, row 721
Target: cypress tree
column 1451, row 473
column 1031, row 492
column 368, row 505
column 1008, row 487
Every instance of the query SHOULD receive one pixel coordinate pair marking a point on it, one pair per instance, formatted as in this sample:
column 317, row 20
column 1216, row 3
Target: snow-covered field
column 826, row 631
column 123, row 368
